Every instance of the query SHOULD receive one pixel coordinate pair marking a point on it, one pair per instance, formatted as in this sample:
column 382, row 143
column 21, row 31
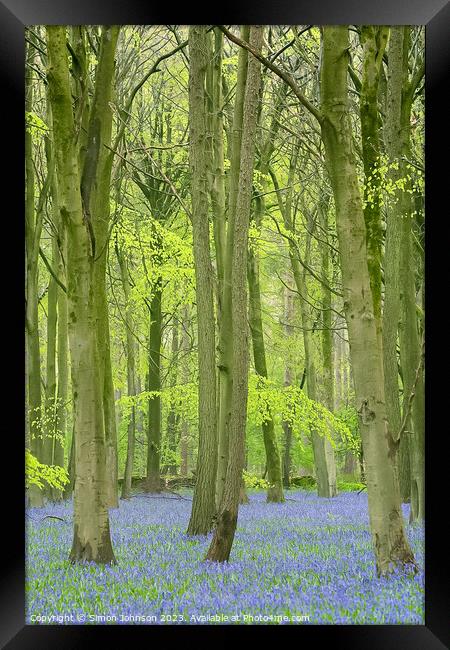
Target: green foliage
column 349, row 486
column 291, row 403
column 349, row 418
column 183, row 398
column 37, row 473
column 259, row 179
column 380, row 183
column 253, row 481
column 35, row 125
column 150, row 223
column 43, row 422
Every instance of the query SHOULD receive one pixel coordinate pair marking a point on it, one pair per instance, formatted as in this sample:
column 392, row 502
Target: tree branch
column 413, row 392
column 139, row 85
column 278, row 71
column 51, row 271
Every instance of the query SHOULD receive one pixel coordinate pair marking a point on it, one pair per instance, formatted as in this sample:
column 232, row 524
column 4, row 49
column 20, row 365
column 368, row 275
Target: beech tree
column 91, row 539
column 227, row 517
column 224, row 232
column 203, row 506
column 390, row 543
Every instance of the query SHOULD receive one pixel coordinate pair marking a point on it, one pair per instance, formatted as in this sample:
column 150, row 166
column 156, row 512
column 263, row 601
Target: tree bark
column 153, row 483
column 225, row 312
column 288, row 378
column 274, row 475
column 131, row 374
column 95, row 191
column 62, row 345
column 410, row 347
column 91, row 540
column 224, row 531
column 173, row 418
column 386, row 521
column 33, row 228
column 373, row 40
column 327, row 355
column 186, row 377
column 391, row 312
column 203, row 505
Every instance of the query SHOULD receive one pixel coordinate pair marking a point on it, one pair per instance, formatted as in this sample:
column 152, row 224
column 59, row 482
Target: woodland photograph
column 224, row 324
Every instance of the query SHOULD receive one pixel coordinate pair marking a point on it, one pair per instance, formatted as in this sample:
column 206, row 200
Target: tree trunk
column 62, row 345
column 49, row 440
column 404, row 467
column 225, row 312
column 49, row 428
column 386, row 521
column 410, row 347
column 274, row 475
column 173, row 418
column 350, row 463
column 224, row 531
column 288, row 378
column 131, row 374
column 327, row 355
column 203, row 505
column 153, row 483
column 323, row 452
column 373, row 40
column 391, row 312
column 338, row 363
column 95, row 191
column 33, row 228
column 186, row 376
column 91, row 540
column 69, row 487
column 243, row 496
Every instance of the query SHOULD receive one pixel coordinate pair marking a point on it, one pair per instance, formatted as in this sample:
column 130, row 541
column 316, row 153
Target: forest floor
column 308, row 558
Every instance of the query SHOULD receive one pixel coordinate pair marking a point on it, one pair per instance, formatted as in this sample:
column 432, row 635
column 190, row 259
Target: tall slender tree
column 373, row 39
column 227, row 517
column 288, row 316
column 33, row 228
column 324, row 460
column 62, row 340
column 391, row 311
column 131, row 372
column 95, row 188
column 266, row 149
column 153, row 483
column 203, row 505
column 91, row 540
column 225, row 311
column 411, row 349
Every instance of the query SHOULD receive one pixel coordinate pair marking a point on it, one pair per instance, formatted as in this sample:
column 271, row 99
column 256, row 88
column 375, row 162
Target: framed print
column 229, row 289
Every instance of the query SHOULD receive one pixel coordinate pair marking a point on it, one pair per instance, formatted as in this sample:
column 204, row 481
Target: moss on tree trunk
column 389, row 540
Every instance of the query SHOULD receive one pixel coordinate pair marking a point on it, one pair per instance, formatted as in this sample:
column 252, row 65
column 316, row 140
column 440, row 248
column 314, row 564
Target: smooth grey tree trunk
column 203, row 505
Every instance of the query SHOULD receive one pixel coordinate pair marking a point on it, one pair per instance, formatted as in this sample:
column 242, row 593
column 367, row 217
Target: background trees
column 189, row 188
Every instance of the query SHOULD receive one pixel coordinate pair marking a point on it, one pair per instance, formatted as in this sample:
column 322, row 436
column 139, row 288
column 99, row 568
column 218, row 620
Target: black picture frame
column 14, row 15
